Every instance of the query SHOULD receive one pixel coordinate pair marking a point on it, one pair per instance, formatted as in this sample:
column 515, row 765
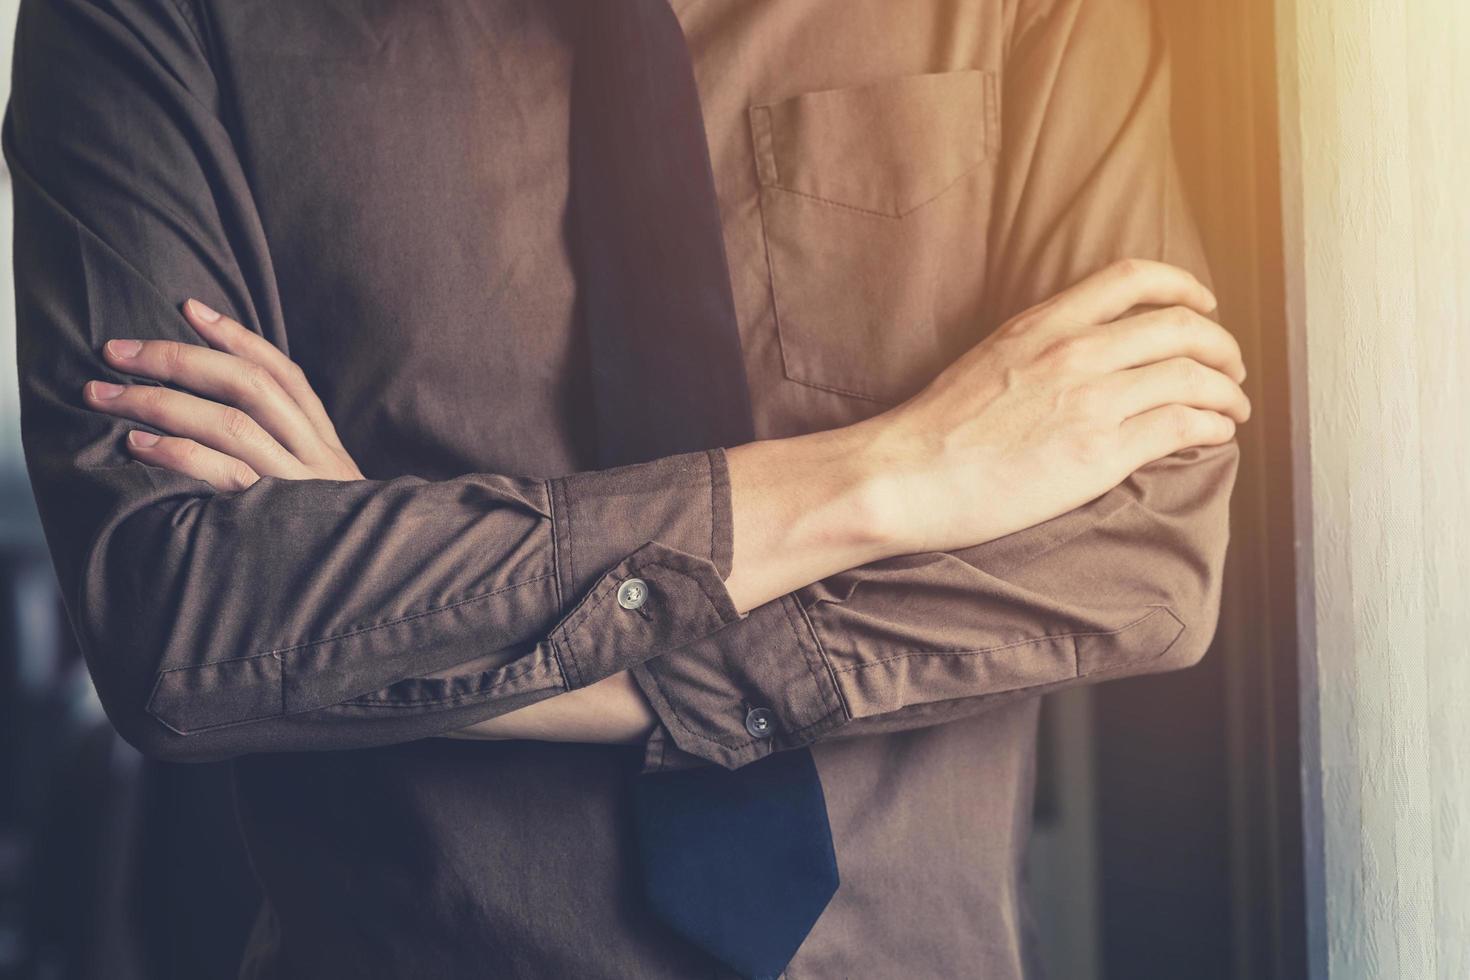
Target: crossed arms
column 1057, row 498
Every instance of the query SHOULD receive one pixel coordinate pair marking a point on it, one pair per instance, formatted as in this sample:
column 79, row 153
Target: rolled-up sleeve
column 1127, row 584
column 294, row 614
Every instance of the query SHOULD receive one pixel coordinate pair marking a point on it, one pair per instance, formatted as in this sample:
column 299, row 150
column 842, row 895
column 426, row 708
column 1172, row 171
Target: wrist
column 611, row 711
column 887, row 464
column 806, row 507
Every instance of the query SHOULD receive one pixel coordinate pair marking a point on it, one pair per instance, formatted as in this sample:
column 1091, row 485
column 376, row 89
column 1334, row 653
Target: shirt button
column 632, row 593
column 760, row 722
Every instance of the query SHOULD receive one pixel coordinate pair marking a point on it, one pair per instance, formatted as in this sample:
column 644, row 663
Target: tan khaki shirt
column 382, row 190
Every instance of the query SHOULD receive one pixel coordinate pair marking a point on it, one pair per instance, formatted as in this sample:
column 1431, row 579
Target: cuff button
column 760, row 722
column 633, row 593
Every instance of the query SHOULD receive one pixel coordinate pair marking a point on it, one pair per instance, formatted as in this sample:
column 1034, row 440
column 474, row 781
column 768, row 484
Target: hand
column 1058, row 406
column 248, row 411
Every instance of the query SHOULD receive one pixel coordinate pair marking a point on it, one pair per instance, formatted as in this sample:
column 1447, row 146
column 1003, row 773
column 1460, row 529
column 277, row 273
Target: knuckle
column 1002, row 347
column 1089, row 402
column 1183, row 316
column 1023, row 323
column 1189, row 371
column 149, row 398
column 171, row 357
column 1092, row 445
column 240, row 476
column 236, row 424
column 256, row 379
column 1183, row 423
column 1209, row 324
column 1068, row 354
column 1129, row 267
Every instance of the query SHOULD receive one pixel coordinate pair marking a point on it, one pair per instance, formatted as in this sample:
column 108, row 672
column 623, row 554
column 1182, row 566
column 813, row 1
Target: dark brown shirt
column 381, row 189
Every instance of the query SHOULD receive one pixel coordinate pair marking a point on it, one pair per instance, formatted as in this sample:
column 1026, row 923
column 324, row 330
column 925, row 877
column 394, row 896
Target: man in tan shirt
column 979, row 475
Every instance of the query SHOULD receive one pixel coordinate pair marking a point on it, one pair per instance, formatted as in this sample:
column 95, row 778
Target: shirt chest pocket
column 875, row 201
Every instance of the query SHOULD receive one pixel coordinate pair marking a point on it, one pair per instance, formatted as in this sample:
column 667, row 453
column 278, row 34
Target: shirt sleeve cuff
column 755, row 687
column 661, row 529
column 679, row 598
column 602, row 516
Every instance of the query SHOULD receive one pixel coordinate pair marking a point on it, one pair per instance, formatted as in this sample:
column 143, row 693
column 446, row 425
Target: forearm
column 995, row 445
column 612, row 711
column 803, row 508
column 807, row 507
column 1083, row 569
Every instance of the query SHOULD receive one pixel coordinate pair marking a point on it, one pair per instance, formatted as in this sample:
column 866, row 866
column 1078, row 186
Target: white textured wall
column 1376, row 183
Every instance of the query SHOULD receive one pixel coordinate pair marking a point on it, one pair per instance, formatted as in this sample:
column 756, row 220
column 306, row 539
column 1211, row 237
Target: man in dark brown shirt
column 378, row 524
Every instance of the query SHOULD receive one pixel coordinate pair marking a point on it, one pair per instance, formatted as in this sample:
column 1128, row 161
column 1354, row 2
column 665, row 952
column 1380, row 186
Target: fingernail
column 106, row 389
column 124, row 348
column 142, row 439
column 203, row 312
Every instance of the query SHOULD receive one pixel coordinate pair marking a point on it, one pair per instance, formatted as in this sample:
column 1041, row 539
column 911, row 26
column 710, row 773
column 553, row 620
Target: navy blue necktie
column 739, row 862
